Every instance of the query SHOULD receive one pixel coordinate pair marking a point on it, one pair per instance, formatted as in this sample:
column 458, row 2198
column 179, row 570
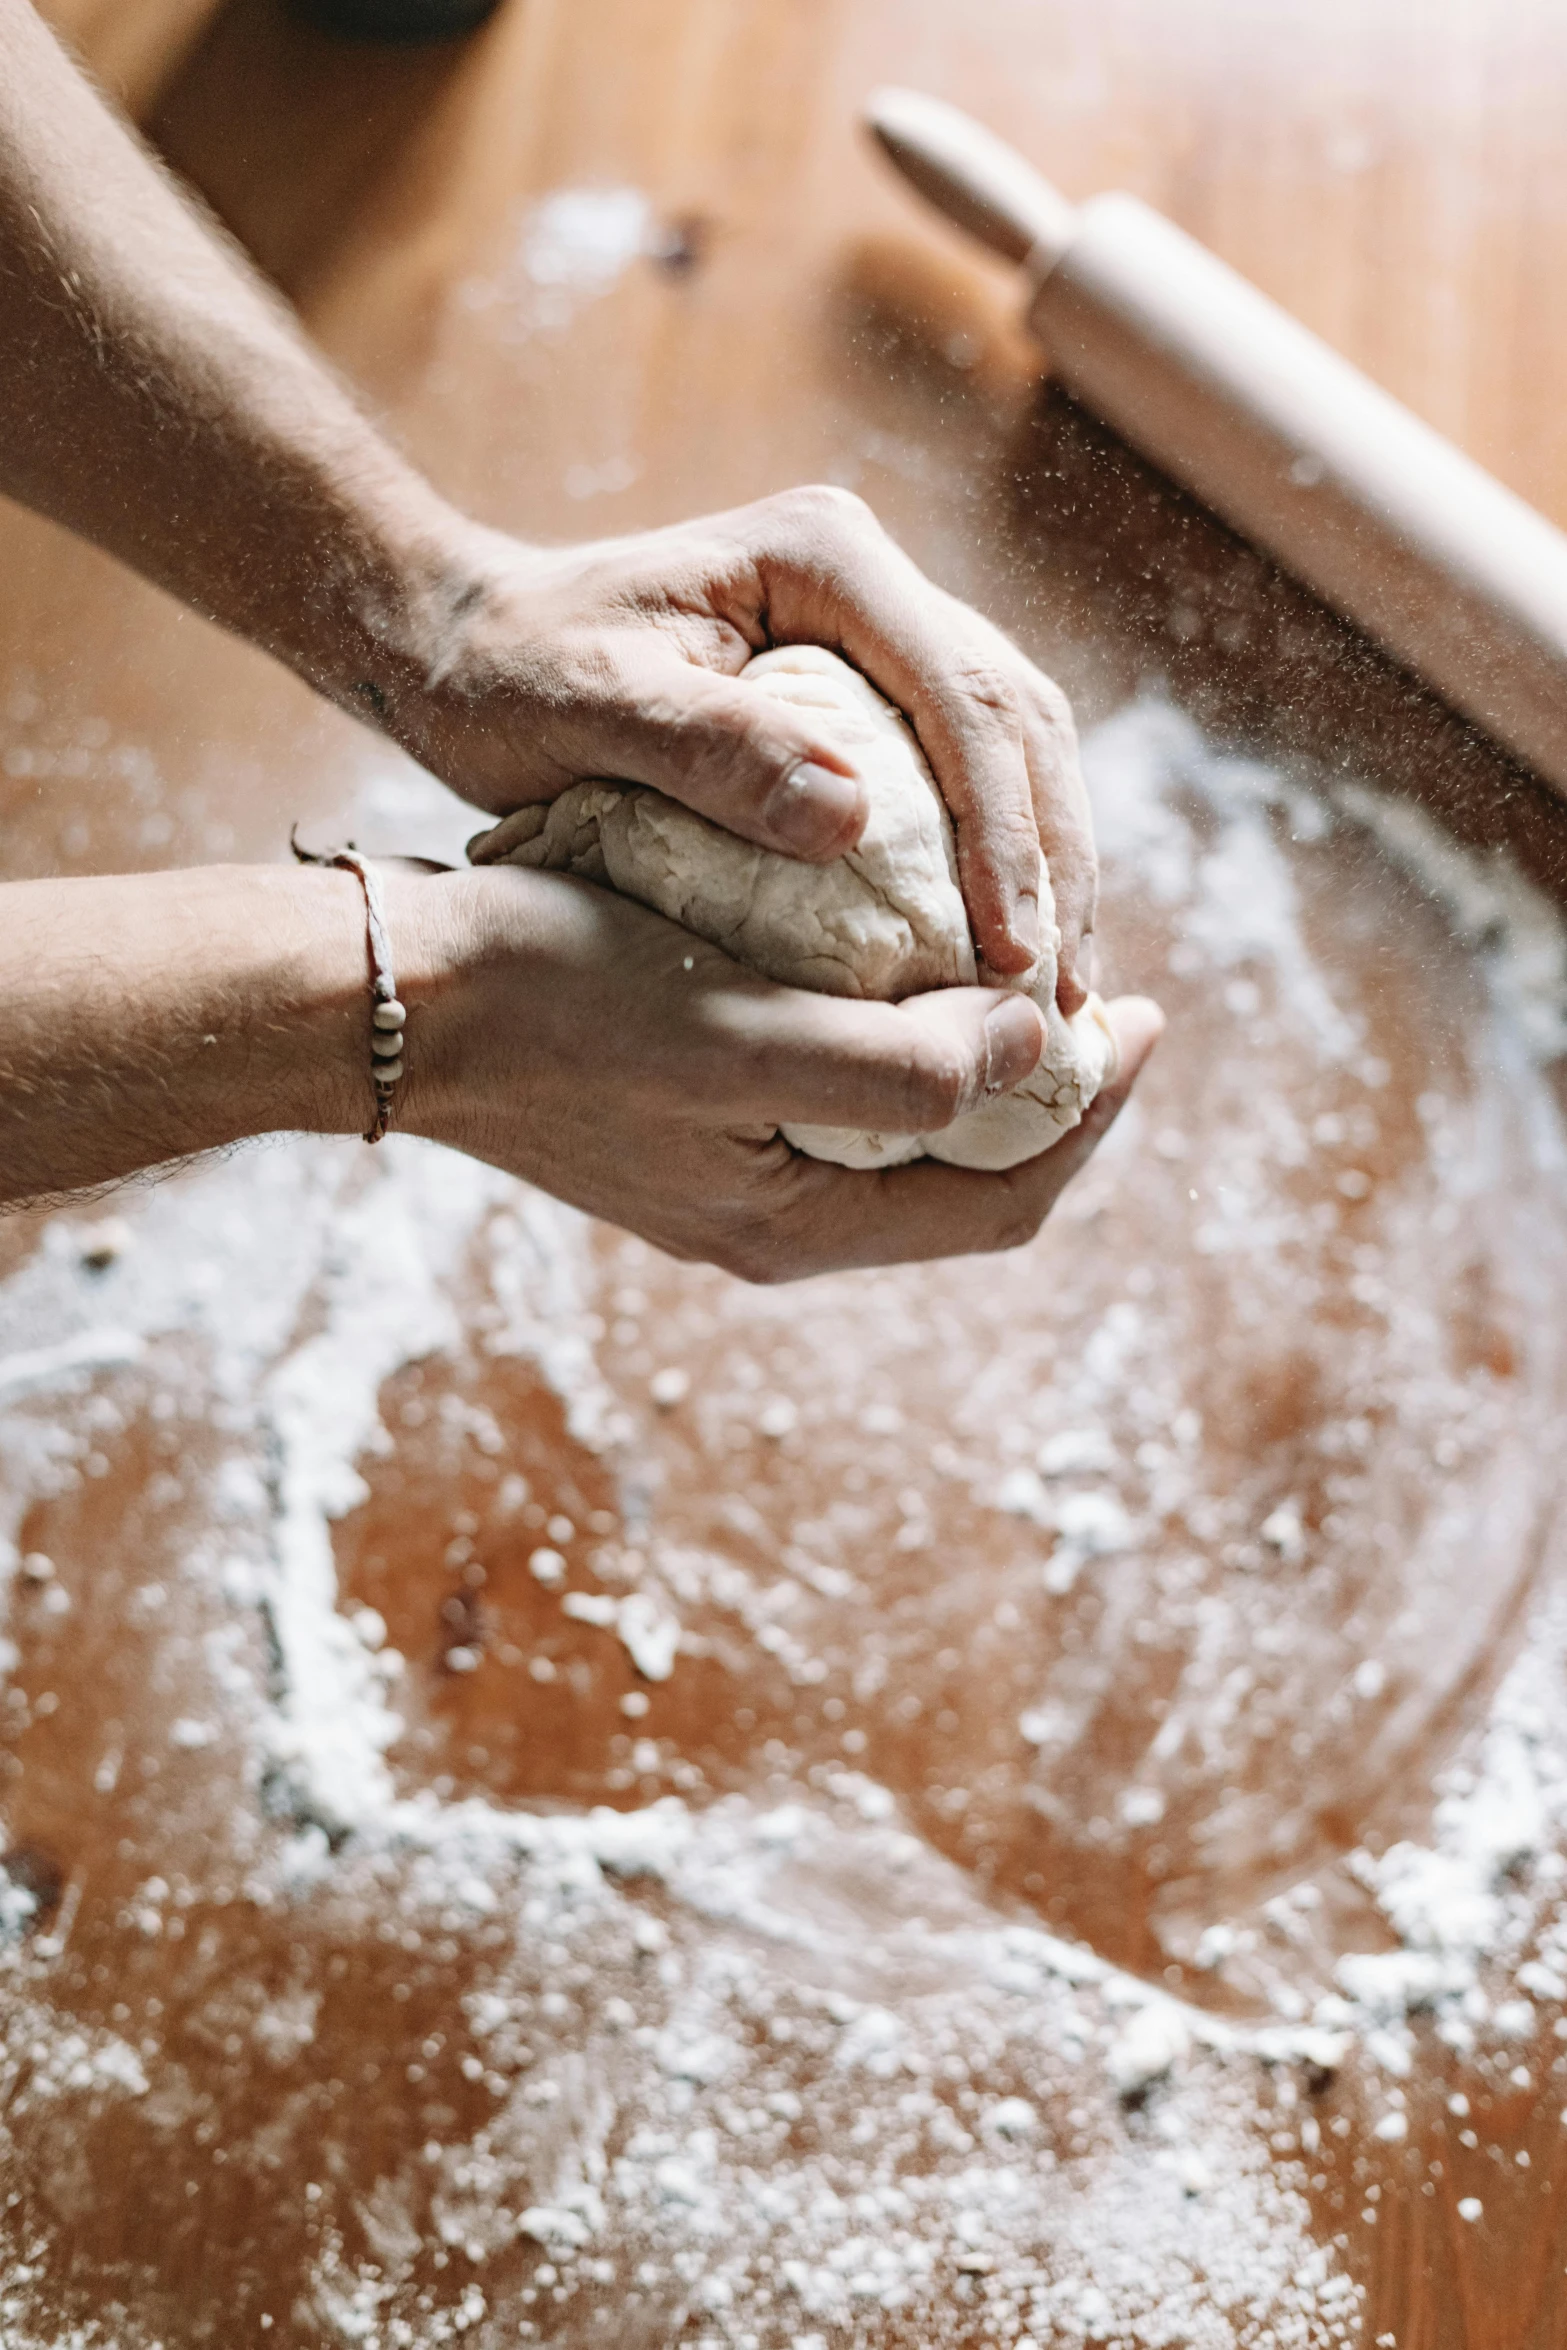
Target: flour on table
column 884, row 922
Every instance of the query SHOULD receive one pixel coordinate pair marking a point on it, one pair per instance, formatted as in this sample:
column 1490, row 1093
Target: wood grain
column 1392, row 170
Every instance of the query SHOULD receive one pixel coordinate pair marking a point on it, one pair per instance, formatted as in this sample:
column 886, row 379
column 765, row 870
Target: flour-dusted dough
column 885, row 921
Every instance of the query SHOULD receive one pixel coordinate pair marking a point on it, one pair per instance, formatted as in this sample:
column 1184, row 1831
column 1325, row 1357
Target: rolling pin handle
column 976, row 179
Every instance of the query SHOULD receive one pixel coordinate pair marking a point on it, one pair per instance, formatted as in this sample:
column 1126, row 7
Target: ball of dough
column 885, row 921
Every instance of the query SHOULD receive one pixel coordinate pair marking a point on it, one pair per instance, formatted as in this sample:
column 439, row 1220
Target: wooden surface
column 1395, row 174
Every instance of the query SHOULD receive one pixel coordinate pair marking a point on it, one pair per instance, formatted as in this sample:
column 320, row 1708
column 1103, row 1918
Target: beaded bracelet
column 387, row 1016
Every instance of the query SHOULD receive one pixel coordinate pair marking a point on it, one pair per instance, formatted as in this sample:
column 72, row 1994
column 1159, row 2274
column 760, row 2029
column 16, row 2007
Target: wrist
column 495, row 959
column 436, row 930
column 299, row 1021
column 284, row 1020
column 391, row 566
column 409, row 578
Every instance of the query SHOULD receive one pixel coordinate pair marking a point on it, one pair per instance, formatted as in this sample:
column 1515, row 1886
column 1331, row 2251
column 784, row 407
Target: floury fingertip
column 1023, row 927
column 1014, row 1039
column 814, row 812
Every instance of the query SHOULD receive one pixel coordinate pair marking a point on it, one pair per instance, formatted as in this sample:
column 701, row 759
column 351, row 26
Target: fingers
column 834, row 1218
column 1066, row 833
column 1138, row 1024
column 780, row 1056
column 762, row 768
column 997, row 733
column 969, row 718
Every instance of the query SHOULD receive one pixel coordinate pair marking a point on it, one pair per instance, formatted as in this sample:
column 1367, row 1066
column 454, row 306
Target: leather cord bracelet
column 387, row 1016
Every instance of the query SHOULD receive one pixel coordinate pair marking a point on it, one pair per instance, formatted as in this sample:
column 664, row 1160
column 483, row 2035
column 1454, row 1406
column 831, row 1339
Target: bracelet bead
column 388, row 1017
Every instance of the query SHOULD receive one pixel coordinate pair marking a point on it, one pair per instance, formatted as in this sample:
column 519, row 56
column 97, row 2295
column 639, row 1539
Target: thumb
column 820, row 1060
column 758, row 766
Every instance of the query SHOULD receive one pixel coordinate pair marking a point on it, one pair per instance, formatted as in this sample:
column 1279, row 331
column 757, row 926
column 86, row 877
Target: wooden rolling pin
column 1248, row 410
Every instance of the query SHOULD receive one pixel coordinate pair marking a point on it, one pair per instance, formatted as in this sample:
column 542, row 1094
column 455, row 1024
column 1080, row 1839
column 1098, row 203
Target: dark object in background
column 395, row 20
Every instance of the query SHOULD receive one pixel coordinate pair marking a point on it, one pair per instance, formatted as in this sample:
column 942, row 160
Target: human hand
column 253, row 487
column 538, row 668
column 578, row 1040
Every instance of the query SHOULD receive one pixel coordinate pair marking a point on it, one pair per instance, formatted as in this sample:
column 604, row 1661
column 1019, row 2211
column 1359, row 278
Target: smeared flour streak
column 299, row 1279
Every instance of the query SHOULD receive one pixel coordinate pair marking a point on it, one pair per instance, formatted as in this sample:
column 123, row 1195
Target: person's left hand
column 585, row 1043
column 532, row 669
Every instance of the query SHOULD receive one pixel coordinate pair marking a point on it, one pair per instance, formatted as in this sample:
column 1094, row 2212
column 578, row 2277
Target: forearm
column 556, row 1030
column 147, row 1017
column 162, row 402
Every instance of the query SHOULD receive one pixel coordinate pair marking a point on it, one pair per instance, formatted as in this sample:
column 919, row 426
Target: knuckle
column 826, row 501
column 821, row 523
column 728, row 1067
column 735, row 1256
column 1015, row 829
column 935, row 1085
column 1024, row 1213
column 784, row 1232
column 689, row 713
column 1073, row 855
column 722, row 715
column 1056, row 711
column 758, row 1239
column 731, row 747
column 718, row 746
column 1019, row 1227
column 755, row 1255
column 1009, row 832
column 990, row 686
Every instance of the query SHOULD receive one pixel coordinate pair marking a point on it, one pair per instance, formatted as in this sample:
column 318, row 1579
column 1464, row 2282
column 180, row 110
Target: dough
column 886, row 921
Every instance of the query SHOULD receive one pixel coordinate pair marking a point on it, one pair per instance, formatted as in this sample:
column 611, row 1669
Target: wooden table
column 319, row 2104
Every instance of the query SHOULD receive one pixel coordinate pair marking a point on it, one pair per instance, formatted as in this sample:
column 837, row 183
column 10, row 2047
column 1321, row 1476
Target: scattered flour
column 298, row 1281
column 1148, row 2047
column 35, row 1369
column 1512, row 924
column 570, row 248
column 583, row 238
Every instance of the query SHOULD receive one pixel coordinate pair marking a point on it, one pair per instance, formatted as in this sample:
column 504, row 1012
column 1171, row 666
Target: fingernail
column 1023, row 929
column 813, row 811
column 1086, row 964
column 1014, row 1037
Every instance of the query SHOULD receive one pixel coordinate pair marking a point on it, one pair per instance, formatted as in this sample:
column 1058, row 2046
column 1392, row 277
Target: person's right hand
column 527, row 669
column 612, row 1058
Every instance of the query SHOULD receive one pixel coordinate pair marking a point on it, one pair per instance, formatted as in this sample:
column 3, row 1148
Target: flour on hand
column 885, row 921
